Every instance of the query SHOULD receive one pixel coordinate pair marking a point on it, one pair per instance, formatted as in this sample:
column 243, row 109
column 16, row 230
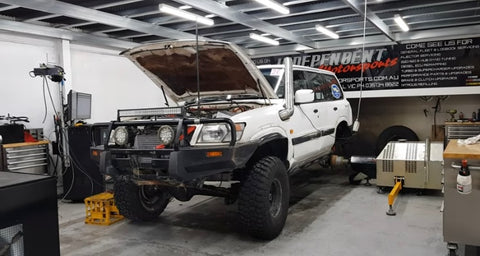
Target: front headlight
column 217, row 133
column 120, row 135
column 166, row 134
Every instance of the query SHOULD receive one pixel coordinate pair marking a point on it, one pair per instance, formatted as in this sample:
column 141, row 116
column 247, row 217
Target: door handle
column 315, row 111
column 335, row 108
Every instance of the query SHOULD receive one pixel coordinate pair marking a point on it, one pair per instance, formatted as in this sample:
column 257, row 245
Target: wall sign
column 444, row 63
column 440, row 63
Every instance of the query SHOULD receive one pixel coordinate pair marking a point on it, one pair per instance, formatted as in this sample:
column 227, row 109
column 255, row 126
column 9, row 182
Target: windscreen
column 274, row 77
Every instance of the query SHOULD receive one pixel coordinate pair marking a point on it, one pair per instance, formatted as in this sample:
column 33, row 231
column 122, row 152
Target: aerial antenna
column 198, row 69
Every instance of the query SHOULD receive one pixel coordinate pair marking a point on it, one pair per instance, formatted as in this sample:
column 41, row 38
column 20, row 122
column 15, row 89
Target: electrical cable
column 362, row 63
column 49, row 94
column 44, row 101
column 197, row 66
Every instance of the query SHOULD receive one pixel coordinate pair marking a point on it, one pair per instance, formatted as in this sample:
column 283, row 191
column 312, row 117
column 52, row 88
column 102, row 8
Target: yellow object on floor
column 101, row 209
column 393, row 194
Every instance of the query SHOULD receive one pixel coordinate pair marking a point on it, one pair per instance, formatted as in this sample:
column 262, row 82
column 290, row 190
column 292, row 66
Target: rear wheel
column 263, row 199
column 139, row 203
column 394, row 133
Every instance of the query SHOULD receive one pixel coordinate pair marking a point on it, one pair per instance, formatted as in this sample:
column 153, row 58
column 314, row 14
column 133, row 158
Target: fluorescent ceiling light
column 275, row 6
column 326, row 31
column 184, row 14
column 302, row 47
column 209, row 16
column 401, row 23
column 263, row 39
column 296, row 2
column 185, row 7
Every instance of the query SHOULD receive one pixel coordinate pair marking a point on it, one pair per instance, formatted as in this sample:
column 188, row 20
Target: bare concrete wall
column 414, row 112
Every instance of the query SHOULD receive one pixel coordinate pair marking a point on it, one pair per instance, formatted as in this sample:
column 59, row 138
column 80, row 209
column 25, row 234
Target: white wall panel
column 22, row 95
column 114, row 82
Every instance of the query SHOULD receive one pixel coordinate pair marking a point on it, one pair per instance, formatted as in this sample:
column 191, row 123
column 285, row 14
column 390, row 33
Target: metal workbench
column 461, row 214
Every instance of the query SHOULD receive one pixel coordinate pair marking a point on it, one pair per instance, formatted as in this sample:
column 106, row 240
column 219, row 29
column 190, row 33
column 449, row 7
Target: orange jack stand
column 393, row 194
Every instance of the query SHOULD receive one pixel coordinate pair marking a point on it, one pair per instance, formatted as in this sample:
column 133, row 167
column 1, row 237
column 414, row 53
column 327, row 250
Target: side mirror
column 304, row 96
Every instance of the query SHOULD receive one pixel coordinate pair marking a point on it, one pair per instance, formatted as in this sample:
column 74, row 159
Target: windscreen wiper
column 204, row 99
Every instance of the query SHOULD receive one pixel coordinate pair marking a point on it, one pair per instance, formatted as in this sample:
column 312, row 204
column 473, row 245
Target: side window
column 299, row 80
column 325, row 87
column 334, row 87
column 281, row 88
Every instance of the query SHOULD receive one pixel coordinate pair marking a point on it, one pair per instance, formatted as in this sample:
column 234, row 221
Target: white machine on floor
column 417, row 163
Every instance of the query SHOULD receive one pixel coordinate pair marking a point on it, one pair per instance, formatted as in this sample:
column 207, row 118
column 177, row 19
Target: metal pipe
column 363, row 160
column 288, row 74
column 427, row 159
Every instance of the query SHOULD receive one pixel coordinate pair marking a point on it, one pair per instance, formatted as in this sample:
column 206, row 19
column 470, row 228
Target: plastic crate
column 101, row 209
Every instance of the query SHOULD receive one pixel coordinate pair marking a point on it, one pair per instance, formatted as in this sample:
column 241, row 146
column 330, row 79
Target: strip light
column 263, row 39
column 401, row 23
column 327, row 32
column 184, row 14
column 275, row 6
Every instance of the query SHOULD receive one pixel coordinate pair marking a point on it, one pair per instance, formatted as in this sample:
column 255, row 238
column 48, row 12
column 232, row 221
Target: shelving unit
column 456, row 130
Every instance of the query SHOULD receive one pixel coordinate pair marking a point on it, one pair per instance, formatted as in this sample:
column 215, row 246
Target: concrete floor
column 327, row 216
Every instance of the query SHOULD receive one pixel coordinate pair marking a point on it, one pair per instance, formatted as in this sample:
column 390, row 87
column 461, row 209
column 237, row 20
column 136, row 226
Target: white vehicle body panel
column 310, row 131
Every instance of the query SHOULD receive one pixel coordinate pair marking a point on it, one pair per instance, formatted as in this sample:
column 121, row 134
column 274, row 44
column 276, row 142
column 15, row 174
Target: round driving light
column 120, row 135
column 166, row 134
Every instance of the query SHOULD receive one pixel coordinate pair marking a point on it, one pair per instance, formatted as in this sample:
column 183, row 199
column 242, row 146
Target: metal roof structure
column 122, row 24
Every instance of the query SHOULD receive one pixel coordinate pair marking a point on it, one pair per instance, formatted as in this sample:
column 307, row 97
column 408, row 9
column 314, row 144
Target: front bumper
column 181, row 165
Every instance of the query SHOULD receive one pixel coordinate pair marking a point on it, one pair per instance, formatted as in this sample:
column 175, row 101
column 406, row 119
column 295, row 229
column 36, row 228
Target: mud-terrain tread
column 128, row 202
column 253, row 202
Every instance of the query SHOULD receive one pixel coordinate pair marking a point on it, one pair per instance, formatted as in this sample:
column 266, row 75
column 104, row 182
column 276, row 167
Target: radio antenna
column 198, row 69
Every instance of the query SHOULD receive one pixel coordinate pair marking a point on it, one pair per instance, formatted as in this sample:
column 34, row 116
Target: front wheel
column 139, row 203
column 263, row 199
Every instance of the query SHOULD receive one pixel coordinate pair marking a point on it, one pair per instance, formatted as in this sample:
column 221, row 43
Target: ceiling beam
column 8, row 7
column 247, row 20
column 439, row 34
column 88, row 14
column 31, row 29
column 100, row 6
column 327, row 45
column 359, row 7
column 377, row 40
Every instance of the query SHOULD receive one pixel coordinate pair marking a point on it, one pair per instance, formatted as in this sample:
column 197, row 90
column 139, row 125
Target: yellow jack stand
column 101, row 209
column 393, row 194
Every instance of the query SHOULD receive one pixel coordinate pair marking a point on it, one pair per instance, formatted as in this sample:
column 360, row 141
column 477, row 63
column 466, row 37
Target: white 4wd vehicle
column 250, row 128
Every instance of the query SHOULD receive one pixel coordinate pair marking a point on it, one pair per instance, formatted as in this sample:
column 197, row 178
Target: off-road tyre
column 394, row 133
column 132, row 202
column 263, row 199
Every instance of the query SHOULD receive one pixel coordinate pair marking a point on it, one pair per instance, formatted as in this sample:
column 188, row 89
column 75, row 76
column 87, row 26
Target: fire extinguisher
column 464, row 179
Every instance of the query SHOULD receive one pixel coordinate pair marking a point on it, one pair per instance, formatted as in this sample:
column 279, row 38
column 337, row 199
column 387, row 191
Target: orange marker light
column 239, row 127
column 214, row 154
column 291, row 131
column 94, row 153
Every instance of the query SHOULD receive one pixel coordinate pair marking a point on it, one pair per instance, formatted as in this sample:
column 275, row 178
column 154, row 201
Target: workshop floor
column 327, row 216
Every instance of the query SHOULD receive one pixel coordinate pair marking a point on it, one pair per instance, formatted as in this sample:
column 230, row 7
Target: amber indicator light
column 214, row 154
